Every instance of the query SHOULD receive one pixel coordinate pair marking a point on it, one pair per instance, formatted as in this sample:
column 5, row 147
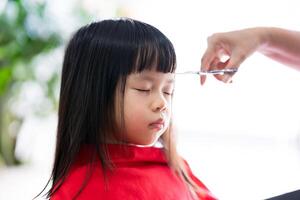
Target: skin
column 278, row 44
column 147, row 106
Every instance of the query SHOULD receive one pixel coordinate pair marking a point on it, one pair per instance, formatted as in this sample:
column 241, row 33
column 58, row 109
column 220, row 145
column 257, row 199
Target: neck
column 154, row 144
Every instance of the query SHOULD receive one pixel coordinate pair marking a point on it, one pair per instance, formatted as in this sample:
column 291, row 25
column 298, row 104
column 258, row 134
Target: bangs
column 152, row 50
column 158, row 56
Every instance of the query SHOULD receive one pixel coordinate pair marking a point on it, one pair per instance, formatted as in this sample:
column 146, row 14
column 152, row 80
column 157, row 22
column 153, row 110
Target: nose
column 159, row 103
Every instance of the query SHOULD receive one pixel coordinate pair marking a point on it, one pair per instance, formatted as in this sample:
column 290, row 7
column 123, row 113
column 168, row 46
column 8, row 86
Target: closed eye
column 141, row 90
column 169, row 93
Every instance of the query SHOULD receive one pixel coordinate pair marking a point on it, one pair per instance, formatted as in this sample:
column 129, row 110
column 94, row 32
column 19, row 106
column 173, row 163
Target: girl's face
column 147, row 106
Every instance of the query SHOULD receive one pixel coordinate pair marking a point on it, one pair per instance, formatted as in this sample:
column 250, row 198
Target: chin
column 149, row 141
column 146, row 142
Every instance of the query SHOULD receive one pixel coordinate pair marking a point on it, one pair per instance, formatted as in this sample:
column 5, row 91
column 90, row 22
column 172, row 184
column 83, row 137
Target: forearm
column 281, row 45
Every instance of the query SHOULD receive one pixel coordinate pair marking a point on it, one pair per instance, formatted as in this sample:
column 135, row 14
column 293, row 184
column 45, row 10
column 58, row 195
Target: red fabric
column 139, row 173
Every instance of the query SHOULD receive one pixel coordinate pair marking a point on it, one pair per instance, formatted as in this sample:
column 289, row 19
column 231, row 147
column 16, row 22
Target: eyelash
column 167, row 93
column 141, row 90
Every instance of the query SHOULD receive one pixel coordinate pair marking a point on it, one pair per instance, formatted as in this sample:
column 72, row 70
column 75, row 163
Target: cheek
column 132, row 112
column 133, row 107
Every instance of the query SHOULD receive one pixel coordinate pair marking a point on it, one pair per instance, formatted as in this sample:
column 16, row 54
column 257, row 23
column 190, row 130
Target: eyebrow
column 151, row 79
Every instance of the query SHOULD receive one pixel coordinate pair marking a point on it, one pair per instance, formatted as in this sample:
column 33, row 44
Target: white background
column 241, row 139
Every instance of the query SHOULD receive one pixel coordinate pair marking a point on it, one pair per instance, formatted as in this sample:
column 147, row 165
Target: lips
column 158, row 124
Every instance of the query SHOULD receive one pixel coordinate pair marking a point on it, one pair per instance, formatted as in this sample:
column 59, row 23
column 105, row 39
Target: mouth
column 158, row 124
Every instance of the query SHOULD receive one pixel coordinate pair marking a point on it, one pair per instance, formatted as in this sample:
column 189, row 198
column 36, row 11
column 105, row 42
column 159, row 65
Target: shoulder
column 82, row 180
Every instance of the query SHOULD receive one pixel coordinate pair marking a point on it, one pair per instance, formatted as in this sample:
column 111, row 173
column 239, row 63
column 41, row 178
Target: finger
column 219, row 65
column 202, row 79
column 207, row 60
column 234, row 62
column 213, row 64
column 209, row 55
column 226, row 78
column 205, row 64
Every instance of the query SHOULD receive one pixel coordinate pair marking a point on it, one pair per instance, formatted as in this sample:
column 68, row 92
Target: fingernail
column 202, row 80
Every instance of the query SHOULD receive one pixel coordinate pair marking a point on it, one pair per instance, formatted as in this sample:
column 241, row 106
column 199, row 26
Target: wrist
column 264, row 38
column 268, row 38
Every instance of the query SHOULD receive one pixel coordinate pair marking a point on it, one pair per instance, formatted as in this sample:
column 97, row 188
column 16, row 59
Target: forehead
column 152, row 76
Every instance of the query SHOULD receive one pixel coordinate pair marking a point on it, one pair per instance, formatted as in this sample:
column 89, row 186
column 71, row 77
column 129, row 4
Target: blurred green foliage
column 27, row 33
column 19, row 45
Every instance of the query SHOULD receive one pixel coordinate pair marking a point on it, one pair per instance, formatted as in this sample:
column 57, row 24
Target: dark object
column 288, row 196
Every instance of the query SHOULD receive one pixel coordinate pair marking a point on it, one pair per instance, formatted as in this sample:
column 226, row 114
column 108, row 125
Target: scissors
column 213, row 72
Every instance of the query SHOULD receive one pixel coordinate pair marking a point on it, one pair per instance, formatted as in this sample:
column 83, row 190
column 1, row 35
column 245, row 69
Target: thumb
column 234, row 62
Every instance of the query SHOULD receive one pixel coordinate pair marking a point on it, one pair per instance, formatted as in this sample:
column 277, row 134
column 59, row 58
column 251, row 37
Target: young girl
column 115, row 108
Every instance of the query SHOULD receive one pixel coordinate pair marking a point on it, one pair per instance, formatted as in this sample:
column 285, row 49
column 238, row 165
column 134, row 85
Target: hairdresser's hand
column 237, row 45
